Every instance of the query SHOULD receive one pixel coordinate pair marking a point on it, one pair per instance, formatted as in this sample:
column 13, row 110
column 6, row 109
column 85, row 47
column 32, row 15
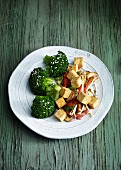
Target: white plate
column 21, row 98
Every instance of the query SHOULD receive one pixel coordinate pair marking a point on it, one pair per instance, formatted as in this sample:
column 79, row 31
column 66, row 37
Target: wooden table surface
column 91, row 25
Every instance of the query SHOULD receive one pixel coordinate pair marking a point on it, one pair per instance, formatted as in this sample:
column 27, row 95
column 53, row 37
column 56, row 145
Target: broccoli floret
column 50, row 88
column 40, row 84
column 56, row 91
column 56, row 65
column 43, row 106
column 47, row 59
column 47, row 85
column 35, row 81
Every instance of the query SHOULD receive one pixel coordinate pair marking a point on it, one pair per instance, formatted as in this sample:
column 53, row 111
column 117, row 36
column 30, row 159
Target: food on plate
column 65, row 92
column 70, row 92
column 56, row 65
column 79, row 61
column 80, row 99
column 68, row 119
column 35, row 81
column 60, row 114
column 72, row 74
column 93, row 103
column 41, row 84
column 73, row 67
column 60, row 102
column 83, row 98
column 76, row 82
column 43, row 106
column 49, row 88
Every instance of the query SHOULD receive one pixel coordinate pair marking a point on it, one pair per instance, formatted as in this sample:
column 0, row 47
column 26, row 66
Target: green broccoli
column 43, row 106
column 56, row 90
column 50, row 88
column 56, row 65
column 35, row 81
column 47, row 85
column 40, row 84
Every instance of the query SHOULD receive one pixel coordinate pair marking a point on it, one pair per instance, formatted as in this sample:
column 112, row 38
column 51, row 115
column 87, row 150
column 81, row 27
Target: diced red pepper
column 85, row 111
column 65, row 79
column 79, row 107
column 80, row 88
column 79, row 116
column 72, row 103
column 79, row 67
column 88, row 83
column 68, row 83
column 68, row 112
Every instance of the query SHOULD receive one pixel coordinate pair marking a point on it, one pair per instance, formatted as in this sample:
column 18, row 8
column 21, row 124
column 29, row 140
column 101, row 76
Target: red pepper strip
column 79, row 67
column 79, row 107
column 68, row 82
column 80, row 88
column 79, row 116
column 68, row 112
column 65, row 79
column 88, row 83
column 72, row 103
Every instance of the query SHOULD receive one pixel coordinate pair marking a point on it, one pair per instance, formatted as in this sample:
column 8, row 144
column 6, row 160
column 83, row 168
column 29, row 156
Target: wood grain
column 26, row 25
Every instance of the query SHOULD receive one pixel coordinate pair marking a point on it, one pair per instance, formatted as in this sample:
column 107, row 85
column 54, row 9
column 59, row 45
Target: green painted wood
column 26, row 25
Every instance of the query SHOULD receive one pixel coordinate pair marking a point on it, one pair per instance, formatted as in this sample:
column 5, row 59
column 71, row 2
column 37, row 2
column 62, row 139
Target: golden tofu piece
column 60, row 102
column 73, row 95
column 76, row 82
column 65, row 92
column 79, row 61
column 72, row 74
column 83, row 98
column 94, row 102
column 73, row 67
column 61, row 114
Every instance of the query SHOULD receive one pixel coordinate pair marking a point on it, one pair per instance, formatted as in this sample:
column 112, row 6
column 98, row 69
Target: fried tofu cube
column 60, row 114
column 65, row 92
column 72, row 74
column 94, row 102
column 79, row 61
column 73, row 67
column 73, row 95
column 60, row 102
column 83, row 98
column 76, row 82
